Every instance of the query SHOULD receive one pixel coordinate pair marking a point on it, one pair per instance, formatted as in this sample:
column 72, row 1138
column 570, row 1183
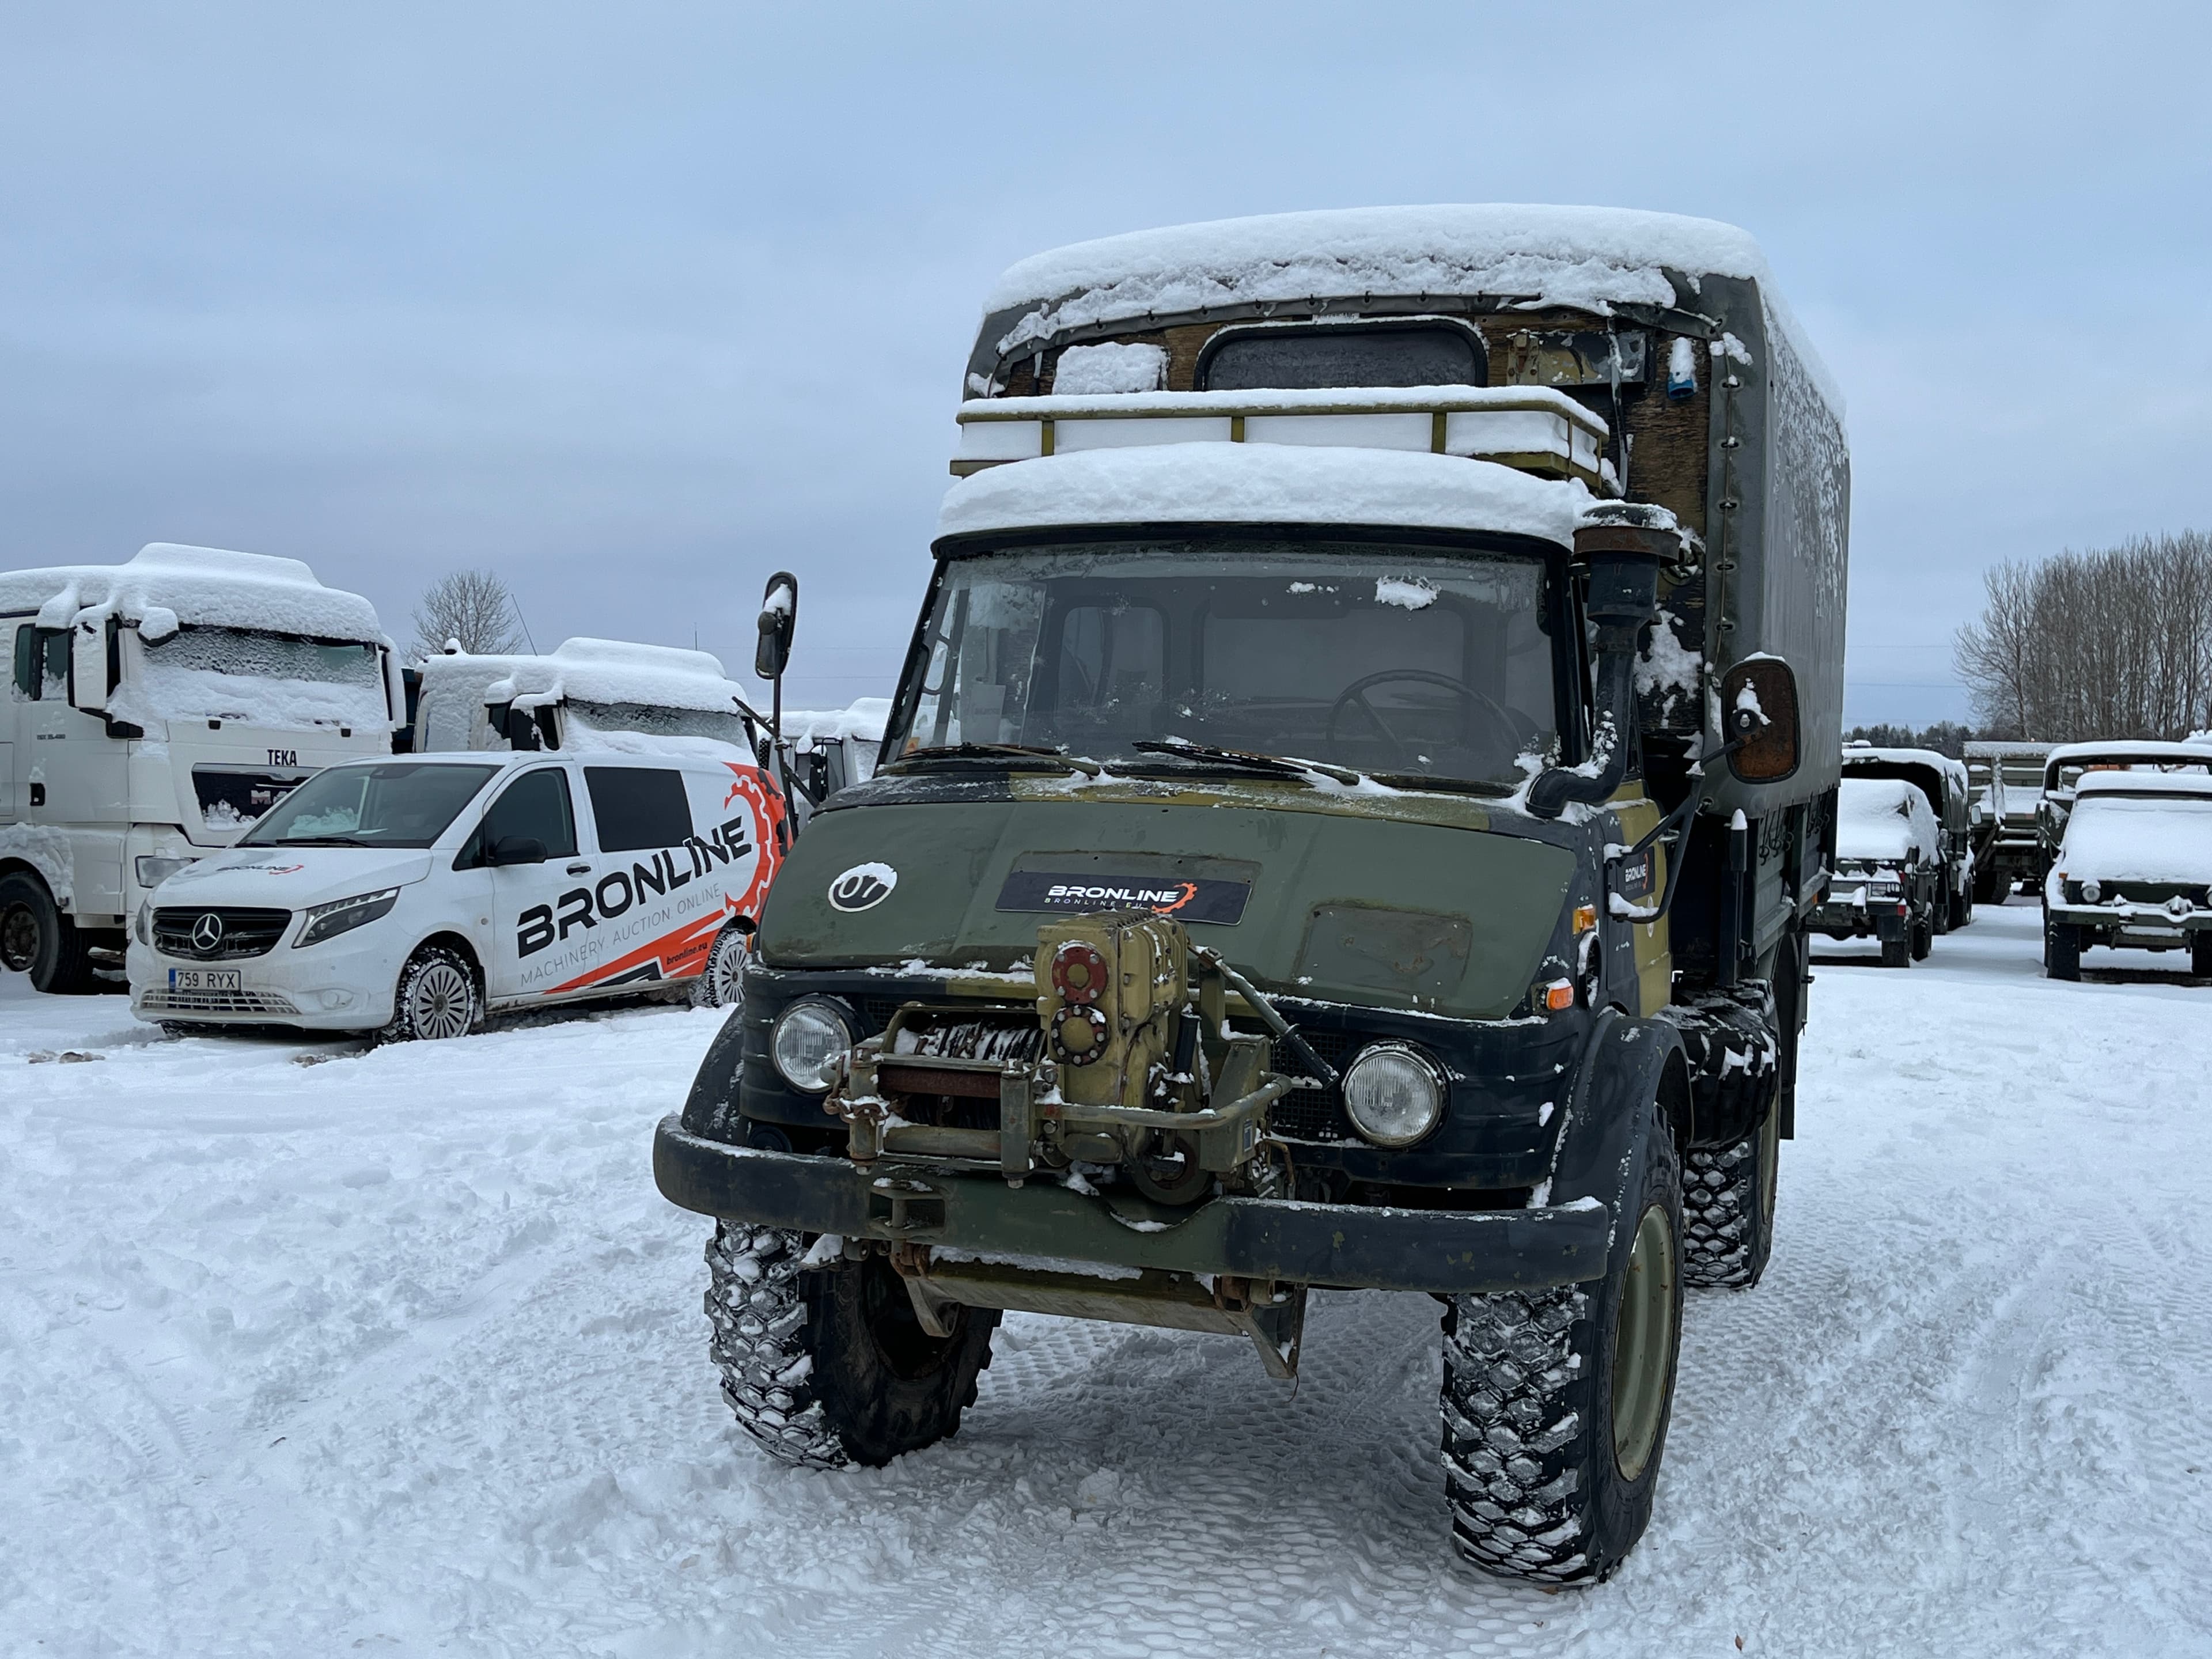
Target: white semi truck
column 154, row 710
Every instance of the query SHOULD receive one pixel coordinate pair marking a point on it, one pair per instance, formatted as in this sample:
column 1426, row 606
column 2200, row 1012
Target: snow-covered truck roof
column 1883, row 820
column 1594, row 259
column 1934, row 760
column 1262, row 483
column 166, row 584
column 2127, row 751
column 603, row 671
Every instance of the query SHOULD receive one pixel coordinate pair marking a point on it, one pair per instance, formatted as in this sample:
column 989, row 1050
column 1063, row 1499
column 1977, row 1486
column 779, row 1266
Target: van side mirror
column 1758, row 719
column 88, row 660
column 779, row 617
column 516, row 849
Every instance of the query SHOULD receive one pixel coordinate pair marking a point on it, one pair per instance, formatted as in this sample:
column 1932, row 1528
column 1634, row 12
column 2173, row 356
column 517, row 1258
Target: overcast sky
column 637, row 304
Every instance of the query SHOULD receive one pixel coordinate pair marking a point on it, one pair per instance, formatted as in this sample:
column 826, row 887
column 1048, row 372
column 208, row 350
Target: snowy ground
column 400, row 1351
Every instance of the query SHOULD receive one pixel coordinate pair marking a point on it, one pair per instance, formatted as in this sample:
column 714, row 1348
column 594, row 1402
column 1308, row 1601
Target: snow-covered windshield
column 262, row 680
column 1390, row 659
column 385, row 804
column 655, row 721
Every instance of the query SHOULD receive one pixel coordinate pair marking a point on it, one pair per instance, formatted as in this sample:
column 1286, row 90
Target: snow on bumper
column 1298, row 1243
column 2131, row 922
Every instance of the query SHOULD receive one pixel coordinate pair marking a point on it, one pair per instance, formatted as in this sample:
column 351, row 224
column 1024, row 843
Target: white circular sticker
column 863, row 887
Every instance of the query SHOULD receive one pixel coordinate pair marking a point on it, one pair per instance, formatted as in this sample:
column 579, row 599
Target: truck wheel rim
column 19, row 938
column 438, row 1003
column 1644, row 1344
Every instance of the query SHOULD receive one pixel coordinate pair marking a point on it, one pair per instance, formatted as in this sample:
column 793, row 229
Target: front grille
column 1314, row 1113
column 261, row 1004
column 245, row 932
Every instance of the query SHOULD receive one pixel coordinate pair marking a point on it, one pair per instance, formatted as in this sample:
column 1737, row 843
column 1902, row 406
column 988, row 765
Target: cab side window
column 535, row 807
column 40, row 662
column 638, row 807
column 24, row 687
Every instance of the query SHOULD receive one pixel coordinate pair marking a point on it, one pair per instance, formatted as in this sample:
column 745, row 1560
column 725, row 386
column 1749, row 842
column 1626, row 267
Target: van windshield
column 263, row 679
column 385, row 804
column 1390, row 659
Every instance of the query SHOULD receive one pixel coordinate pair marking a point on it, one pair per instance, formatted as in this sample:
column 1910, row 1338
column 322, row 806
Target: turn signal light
column 1560, row 994
column 1585, row 918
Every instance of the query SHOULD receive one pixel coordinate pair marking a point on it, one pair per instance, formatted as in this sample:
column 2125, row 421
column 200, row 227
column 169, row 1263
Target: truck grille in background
column 232, row 797
column 246, row 931
column 260, row 1004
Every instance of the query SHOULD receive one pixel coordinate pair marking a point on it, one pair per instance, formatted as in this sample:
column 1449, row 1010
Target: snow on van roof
column 612, row 672
column 166, row 584
column 1263, row 483
column 1593, row 258
column 1883, row 819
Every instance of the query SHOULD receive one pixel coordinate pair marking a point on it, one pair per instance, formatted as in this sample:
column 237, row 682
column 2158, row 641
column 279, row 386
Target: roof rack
column 1531, row 428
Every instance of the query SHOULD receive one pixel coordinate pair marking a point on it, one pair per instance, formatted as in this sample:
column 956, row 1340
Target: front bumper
column 1877, row 918
column 1290, row 1241
column 2144, row 925
column 344, row 984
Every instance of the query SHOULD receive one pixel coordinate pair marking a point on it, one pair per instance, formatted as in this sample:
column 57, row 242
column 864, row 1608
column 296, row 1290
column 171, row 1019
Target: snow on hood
column 1884, row 821
column 608, row 670
column 164, row 584
column 2139, row 826
column 1592, row 257
column 292, row 876
column 1263, row 483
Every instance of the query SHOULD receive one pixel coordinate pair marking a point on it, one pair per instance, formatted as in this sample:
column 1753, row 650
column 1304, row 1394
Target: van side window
column 535, row 808
column 638, row 807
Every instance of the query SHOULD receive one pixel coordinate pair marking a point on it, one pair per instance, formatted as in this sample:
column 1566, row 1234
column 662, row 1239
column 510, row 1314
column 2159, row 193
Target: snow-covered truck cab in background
column 2133, row 869
column 2068, row 764
column 1959, row 817
column 1347, row 818
column 154, row 709
column 1890, row 881
column 2014, row 855
column 412, row 894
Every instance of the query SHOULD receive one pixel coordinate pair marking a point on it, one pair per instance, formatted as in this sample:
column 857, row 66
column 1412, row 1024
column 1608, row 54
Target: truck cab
column 154, row 710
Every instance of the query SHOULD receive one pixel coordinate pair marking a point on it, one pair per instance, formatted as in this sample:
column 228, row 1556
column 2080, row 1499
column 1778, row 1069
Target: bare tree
column 473, row 607
column 2109, row 643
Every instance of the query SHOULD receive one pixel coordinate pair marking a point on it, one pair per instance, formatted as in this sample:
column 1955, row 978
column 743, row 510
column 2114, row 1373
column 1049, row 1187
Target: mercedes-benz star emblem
column 206, row 933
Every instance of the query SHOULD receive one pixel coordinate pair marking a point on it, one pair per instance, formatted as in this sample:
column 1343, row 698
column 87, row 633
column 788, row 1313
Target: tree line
column 2113, row 642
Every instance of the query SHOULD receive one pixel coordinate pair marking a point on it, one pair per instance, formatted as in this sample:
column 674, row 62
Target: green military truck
column 1346, row 820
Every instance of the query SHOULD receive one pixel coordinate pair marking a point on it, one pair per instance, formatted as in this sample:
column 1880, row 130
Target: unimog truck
column 1347, row 820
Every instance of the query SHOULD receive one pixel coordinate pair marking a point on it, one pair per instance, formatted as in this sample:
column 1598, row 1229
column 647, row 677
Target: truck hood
column 1366, row 902
column 291, row 878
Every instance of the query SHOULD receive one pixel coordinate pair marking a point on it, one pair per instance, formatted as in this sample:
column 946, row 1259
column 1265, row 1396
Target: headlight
column 152, row 869
column 343, row 916
column 1393, row 1093
column 2092, row 891
column 144, row 926
column 809, row 1037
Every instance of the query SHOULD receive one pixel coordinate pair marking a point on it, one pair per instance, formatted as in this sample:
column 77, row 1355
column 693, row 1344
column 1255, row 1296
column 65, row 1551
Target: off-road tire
column 1924, row 938
column 1533, row 1476
column 438, row 998
column 721, row 983
column 1896, row 953
column 1989, row 887
column 825, row 1366
column 2200, row 955
column 1962, row 908
column 1727, row 1209
column 38, row 939
column 2062, row 951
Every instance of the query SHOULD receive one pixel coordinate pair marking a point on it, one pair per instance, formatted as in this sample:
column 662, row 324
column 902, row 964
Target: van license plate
column 207, row 979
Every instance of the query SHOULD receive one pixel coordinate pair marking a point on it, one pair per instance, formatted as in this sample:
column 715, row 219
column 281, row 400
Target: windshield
column 387, row 803
column 1388, row 659
column 264, row 679
column 727, row 725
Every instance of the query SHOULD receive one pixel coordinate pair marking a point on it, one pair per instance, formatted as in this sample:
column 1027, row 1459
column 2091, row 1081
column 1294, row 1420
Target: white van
column 412, row 894
column 153, row 710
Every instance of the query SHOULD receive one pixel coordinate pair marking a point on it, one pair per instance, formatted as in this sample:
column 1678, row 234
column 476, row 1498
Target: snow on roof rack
column 1530, row 429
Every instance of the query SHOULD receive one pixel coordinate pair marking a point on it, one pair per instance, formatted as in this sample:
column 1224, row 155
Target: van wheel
column 828, row 1365
column 1556, row 1402
column 437, row 998
column 2062, row 951
column 721, row 984
column 38, row 939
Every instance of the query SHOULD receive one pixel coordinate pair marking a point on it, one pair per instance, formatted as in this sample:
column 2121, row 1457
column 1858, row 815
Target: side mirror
column 89, row 685
column 778, row 616
column 1758, row 714
column 516, row 849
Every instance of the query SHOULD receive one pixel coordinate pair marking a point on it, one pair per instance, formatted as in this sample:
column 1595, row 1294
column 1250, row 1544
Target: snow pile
column 2137, row 826
column 1263, row 483
column 1090, row 370
column 1884, row 821
column 165, row 584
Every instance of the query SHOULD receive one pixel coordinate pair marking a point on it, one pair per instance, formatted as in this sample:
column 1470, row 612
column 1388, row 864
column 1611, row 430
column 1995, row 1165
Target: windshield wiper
column 1281, row 766
column 314, row 841
column 1009, row 752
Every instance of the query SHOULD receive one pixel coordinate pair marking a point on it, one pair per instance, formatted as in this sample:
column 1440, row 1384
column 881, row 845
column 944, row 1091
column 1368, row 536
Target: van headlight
column 343, row 916
column 144, row 927
column 808, row 1039
column 152, row 869
column 1393, row 1093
